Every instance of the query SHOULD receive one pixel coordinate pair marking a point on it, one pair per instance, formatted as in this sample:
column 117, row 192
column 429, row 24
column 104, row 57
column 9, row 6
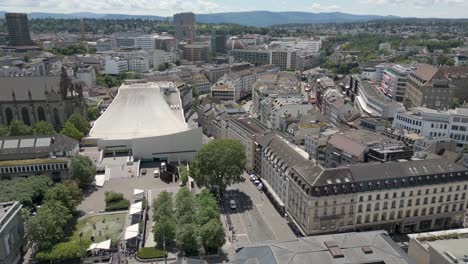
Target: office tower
column 218, row 42
column 184, row 26
column 18, row 29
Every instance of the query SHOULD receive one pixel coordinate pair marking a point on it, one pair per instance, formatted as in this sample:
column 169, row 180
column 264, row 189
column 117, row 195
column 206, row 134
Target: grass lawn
column 102, row 227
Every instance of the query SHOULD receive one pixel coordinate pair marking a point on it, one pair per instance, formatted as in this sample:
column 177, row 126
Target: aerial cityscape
column 214, row 131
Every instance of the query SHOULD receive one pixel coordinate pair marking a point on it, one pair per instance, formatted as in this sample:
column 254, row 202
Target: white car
column 257, row 182
column 232, row 204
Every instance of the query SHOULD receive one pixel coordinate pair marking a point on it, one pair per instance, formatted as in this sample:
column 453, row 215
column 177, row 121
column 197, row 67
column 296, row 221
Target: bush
column 113, row 197
column 120, row 205
column 65, row 251
column 150, row 253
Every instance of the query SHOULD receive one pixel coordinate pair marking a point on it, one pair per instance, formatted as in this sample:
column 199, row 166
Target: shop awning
column 136, row 208
column 131, row 231
column 101, row 245
column 137, row 192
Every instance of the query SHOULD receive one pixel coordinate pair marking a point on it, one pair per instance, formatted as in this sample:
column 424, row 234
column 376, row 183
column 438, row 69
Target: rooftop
column 11, row 146
column 142, row 109
column 6, row 211
column 365, row 247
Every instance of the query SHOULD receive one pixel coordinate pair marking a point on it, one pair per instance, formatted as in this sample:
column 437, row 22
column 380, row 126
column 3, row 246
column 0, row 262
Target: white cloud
column 144, row 7
column 317, row 7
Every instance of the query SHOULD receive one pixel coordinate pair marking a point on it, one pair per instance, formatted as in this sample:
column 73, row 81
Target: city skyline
column 410, row 8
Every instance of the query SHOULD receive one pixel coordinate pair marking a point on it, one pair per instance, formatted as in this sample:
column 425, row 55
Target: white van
column 156, row 173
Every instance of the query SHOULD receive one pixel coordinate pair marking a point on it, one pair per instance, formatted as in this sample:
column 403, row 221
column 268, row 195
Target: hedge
column 150, row 253
column 64, row 252
column 120, row 205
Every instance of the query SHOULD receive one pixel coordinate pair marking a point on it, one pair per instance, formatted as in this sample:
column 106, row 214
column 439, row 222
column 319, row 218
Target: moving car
column 232, row 204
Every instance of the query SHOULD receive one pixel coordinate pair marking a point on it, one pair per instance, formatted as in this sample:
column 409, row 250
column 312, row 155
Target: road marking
column 242, row 235
column 258, row 205
column 242, row 219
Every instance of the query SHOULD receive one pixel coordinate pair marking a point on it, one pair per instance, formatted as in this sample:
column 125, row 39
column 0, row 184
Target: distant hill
column 253, row 18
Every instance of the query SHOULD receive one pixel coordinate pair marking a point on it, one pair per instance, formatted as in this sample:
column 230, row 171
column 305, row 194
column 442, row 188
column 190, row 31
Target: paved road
column 255, row 219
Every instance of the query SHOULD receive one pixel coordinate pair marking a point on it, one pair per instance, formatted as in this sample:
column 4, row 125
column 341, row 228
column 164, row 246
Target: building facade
column 218, row 42
column 12, row 237
column 184, row 27
column 18, row 29
column 394, row 82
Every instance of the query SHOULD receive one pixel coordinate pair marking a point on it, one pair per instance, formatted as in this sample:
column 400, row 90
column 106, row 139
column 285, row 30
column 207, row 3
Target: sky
column 404, row 8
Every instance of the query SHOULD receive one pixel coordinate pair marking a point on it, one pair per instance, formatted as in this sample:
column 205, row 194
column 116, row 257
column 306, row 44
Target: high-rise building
column 18, row 29
column 184, row 26
column 218, row 42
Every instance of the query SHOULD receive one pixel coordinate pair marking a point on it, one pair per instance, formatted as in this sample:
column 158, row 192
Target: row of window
column 427, row 191
column 416, row 213
column 33, row 168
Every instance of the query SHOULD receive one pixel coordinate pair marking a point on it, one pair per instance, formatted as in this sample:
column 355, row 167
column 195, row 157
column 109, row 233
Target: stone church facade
column 42, row 98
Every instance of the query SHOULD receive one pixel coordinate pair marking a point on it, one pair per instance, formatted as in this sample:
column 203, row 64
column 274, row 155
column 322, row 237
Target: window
column 454, row 207
column 386, row 196
column 367, row 219
column 442, row 189
column 446, row 209
column 427, row 191
column 433, row 199
column 377, row 206
column 400, row 214
column 415, row 212
column 394, row 195
column 425, row 200
column 455, row 197
column 441, row 199
column 360, row 208
column 431, row 210
column 463, row 196
column 384, row 216
column 450, row 189
column 423, row 211
column 361, row 199
column 402, row 203
column 435, row 190
column 410, row 202
column 377, row 197
column 369, row 198
column 368, row 207
column 460, row 207
column 402, row 194
column 439, row 209
column 419, row 192
column 408, row 213
column 385, row 205
column 393, row 204
column 449, row 197
column 417, row 201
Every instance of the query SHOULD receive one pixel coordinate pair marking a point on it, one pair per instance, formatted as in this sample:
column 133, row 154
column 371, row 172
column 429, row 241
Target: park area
column 100, row 227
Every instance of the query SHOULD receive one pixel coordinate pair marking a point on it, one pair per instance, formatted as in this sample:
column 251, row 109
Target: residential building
column 138, row 64
column 87, row 75
column 372, row 101
column 115, row 66
column 429, row 87
column 184, row 27
column 374, row 247
column 18, row 29
column 458, row 77
column 246, row 130
column 40, row 98
column 200, row 83
column 218, row 42
column 166, row 43
column 440, row 247
column 12, row 235
column 163, row 57
column 254, row 56
column 461, row 59
column 435, row 124
column 225, row 92
column 215, row 72
column 393, row 83
column 199, row 52
column 211, row 111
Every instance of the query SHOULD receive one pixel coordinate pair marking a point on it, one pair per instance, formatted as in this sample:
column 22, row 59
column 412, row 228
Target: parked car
column 253, row 177
column 143, row 172
column 156, row 173
column 232, row 204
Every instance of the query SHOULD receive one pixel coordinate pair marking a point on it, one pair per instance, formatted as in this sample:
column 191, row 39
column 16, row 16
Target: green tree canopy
column 4, row 130
column 186, row 239
column 184, row 174
column 67, row 193
column 163, row 205
column 18, row 128
column 93, row 113
column 47, row 227
column 218, row 164
column 82, row 171
column 43, row 128
column 212, row 235
column 164, row 230
column 80, row 123
column 71, row 131
column 27, row 191
column 184, row 206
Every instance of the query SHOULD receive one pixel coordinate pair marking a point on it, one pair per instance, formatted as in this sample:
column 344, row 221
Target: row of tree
column 75, row 127
column 192, row 222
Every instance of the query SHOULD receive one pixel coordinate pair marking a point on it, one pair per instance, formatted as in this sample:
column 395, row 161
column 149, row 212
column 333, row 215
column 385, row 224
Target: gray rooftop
column 365, row 247
column 6, row 211
column 24, row 88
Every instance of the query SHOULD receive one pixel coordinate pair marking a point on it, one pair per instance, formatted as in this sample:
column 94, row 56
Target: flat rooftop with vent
column 441, row 247
column 31, row 155
column 374, row 247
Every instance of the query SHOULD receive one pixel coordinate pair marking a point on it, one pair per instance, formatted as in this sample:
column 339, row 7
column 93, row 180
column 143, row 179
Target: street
column 255, row 219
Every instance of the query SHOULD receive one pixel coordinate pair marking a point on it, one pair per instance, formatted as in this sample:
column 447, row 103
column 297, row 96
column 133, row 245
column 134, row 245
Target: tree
column 163, row 205
column 207, row 207
column 70, row 130
column 43, row 128
column 218, row 164
column 28, row 191
column 212, row 235
column 164, row 230
column 47, row 227
column 184, row 206
column 184, row 175
column 67, row 193
column 3, row 130
column 162, row 67
column 82, row 171
column 186, row 239
column 93, row 113
column 80, row 123
column 18, row 128
column 177, row 62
